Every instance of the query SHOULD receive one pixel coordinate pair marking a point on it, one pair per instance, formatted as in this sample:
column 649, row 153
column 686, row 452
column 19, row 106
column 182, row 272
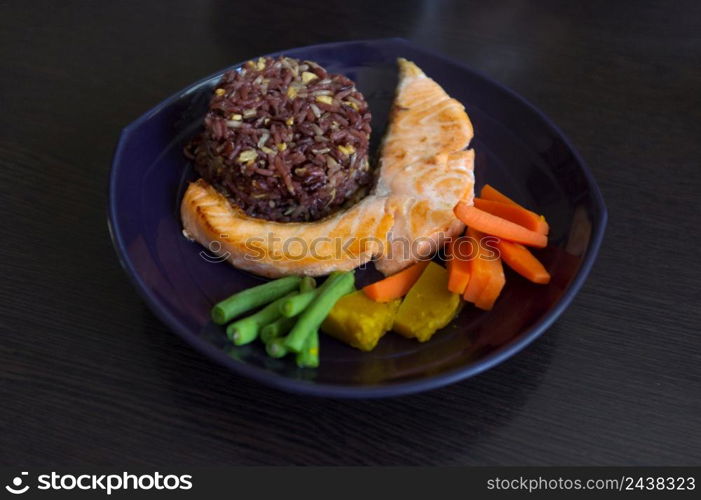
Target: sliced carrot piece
column 514, row 213
column 458, row 276
column 397, row 285
column 518, row 258
column 479, row 271
column 496, row 226
column 490, row 293
column 490, row 193
column 458, row 266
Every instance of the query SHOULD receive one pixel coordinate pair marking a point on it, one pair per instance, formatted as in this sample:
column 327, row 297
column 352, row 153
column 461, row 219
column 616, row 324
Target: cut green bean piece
column 295, row 305
column 249, row 299
column 276, row 329
column 246, row 330
column 335, row 287
column 307, row 284
column 308, row 357
column 276, row 348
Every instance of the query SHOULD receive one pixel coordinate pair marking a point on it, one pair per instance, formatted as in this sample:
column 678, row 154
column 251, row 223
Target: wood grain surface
column 89, row 376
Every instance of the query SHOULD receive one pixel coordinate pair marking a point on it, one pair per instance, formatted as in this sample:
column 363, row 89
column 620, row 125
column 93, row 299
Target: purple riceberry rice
column 285, row 140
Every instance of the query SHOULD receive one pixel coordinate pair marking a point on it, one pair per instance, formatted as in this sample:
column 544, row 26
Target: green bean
column 308, row 357
column 309, row 321
column 308, row 291
column 276, row 329
column 248, row 299
column 276, row 348
column 307, row 284
column 295, row 305
column 246, row 330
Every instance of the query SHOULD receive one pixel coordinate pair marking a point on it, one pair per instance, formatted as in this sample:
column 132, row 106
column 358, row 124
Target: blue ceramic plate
column 518, row 149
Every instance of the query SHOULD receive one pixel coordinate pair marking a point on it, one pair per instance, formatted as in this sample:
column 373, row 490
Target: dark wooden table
column 88, row 375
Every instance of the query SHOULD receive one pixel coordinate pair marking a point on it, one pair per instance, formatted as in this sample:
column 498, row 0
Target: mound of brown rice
column 285, row 140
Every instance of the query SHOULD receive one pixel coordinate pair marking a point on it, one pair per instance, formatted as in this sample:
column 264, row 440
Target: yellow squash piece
column 429, row 305
column 360, row 321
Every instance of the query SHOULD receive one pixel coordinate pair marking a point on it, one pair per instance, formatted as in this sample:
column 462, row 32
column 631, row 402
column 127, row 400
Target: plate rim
column 303, row 387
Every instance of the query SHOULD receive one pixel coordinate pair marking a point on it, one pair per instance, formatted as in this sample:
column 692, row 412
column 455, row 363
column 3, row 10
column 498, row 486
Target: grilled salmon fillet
column 424, row 171
column 342, row 241
column 423, row 167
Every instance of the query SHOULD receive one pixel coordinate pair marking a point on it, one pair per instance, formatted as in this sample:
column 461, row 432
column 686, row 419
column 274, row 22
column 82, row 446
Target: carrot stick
column 494, row 286
column 518, row 258
column 490, row 193
column 514, row 213
column 458, row 266
column 496, row 226
column 478, row 269
column 459, row 276
column 397, row 285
